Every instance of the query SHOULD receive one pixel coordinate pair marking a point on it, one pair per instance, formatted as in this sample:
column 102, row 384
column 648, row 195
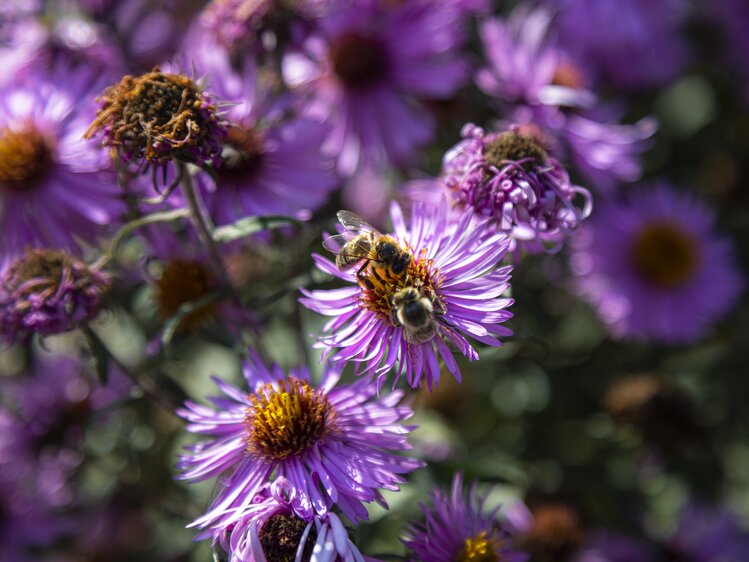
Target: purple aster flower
column 48, row 292
column 271, row 162
column 612, row 547
column 460, row 528
column 238, row 25
column 510, row 178
column 157, row 117
column 365, row 73
column 276, row 527
column 53, row 192
column 545, row 90
column 334, row 444
column 633, row 44
column 733, row 18
column 654, row 268
column 184, row 275
column 526, row 66
column 450, row 285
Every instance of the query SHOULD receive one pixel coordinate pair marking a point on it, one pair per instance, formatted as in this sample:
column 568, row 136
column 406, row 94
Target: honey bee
column 362, row 241
column 416, row 313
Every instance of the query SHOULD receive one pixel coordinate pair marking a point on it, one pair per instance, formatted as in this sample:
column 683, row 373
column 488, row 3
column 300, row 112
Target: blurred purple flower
column 340, row 439
column 708, row 534
column 453, row 266
column 457, row 527
column 276, row 527
column 544, row 88
column 733, row 18
column 634, row 44
column 509, row 178
column 53, row 192
column 654, row 268
column 271, row 162
column 48, row 292
column 612, row 547
column 366, row 74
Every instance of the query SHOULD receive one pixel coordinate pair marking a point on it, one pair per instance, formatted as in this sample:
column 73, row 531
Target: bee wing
column 352, row 221
column 335, row 243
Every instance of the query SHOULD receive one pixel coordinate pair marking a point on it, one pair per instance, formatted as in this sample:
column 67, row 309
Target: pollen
column 378, row 285
column 480, row 548
column 287, row 420
column 665, row 254
column 514, row 147
column 157, row 116
column 184, row 281
column 358, row 60
column 280, row 537
column 25, row 157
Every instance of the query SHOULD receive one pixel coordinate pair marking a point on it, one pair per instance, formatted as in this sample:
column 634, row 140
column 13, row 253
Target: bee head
column 401, row 263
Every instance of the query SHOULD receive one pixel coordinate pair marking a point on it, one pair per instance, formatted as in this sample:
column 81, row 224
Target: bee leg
column 438, row 305
column 361, row 269
column 393, row 313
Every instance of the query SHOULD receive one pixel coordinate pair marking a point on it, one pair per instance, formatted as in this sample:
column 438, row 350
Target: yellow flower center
column 25, row 157
column 184, row 281
column 665, row 254
column 480, row 548
column 287, row 420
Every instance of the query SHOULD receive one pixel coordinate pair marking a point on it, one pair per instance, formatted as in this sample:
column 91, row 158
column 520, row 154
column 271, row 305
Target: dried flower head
column 158, row 117
column 48, row 292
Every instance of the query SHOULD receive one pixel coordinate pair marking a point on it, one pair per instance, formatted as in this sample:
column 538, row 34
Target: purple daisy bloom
column 332, row 444
column 276, row 527
column 648, row 265
column 270, row 163
column 509, row 178
column 612, row 547
column 706, row 534
column 633, row 44
column 48, row 292
column 53, row 192
column 451, row 285
column 457, row 527
column 544, row 89
column 365, row 74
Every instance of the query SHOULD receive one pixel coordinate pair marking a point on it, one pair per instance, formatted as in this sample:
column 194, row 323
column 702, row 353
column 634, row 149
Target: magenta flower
column 509, row 178
column 365, row 74
column 545, row 89
column 53, row 190
column 457, row 527
column 48, row 292
column 633, row 44
column 276, row 527
column 654, row 268
column 333, row 444
column 451, row 287
column 271, row 162
column 706, row 534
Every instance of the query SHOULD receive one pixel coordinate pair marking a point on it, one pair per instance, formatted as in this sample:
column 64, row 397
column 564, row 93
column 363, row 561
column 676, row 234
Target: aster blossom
column 460, row 528
column 55, row 189
column 271, row 160
column 363, row 74
column 451, row 286
column 654, row 268
column 511, row 179
column 333, row 444
column 49, row 292
column 545, row 88
column 276, row 527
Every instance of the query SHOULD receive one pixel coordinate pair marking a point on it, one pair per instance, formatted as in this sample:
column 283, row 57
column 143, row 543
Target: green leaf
column 248, row 226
